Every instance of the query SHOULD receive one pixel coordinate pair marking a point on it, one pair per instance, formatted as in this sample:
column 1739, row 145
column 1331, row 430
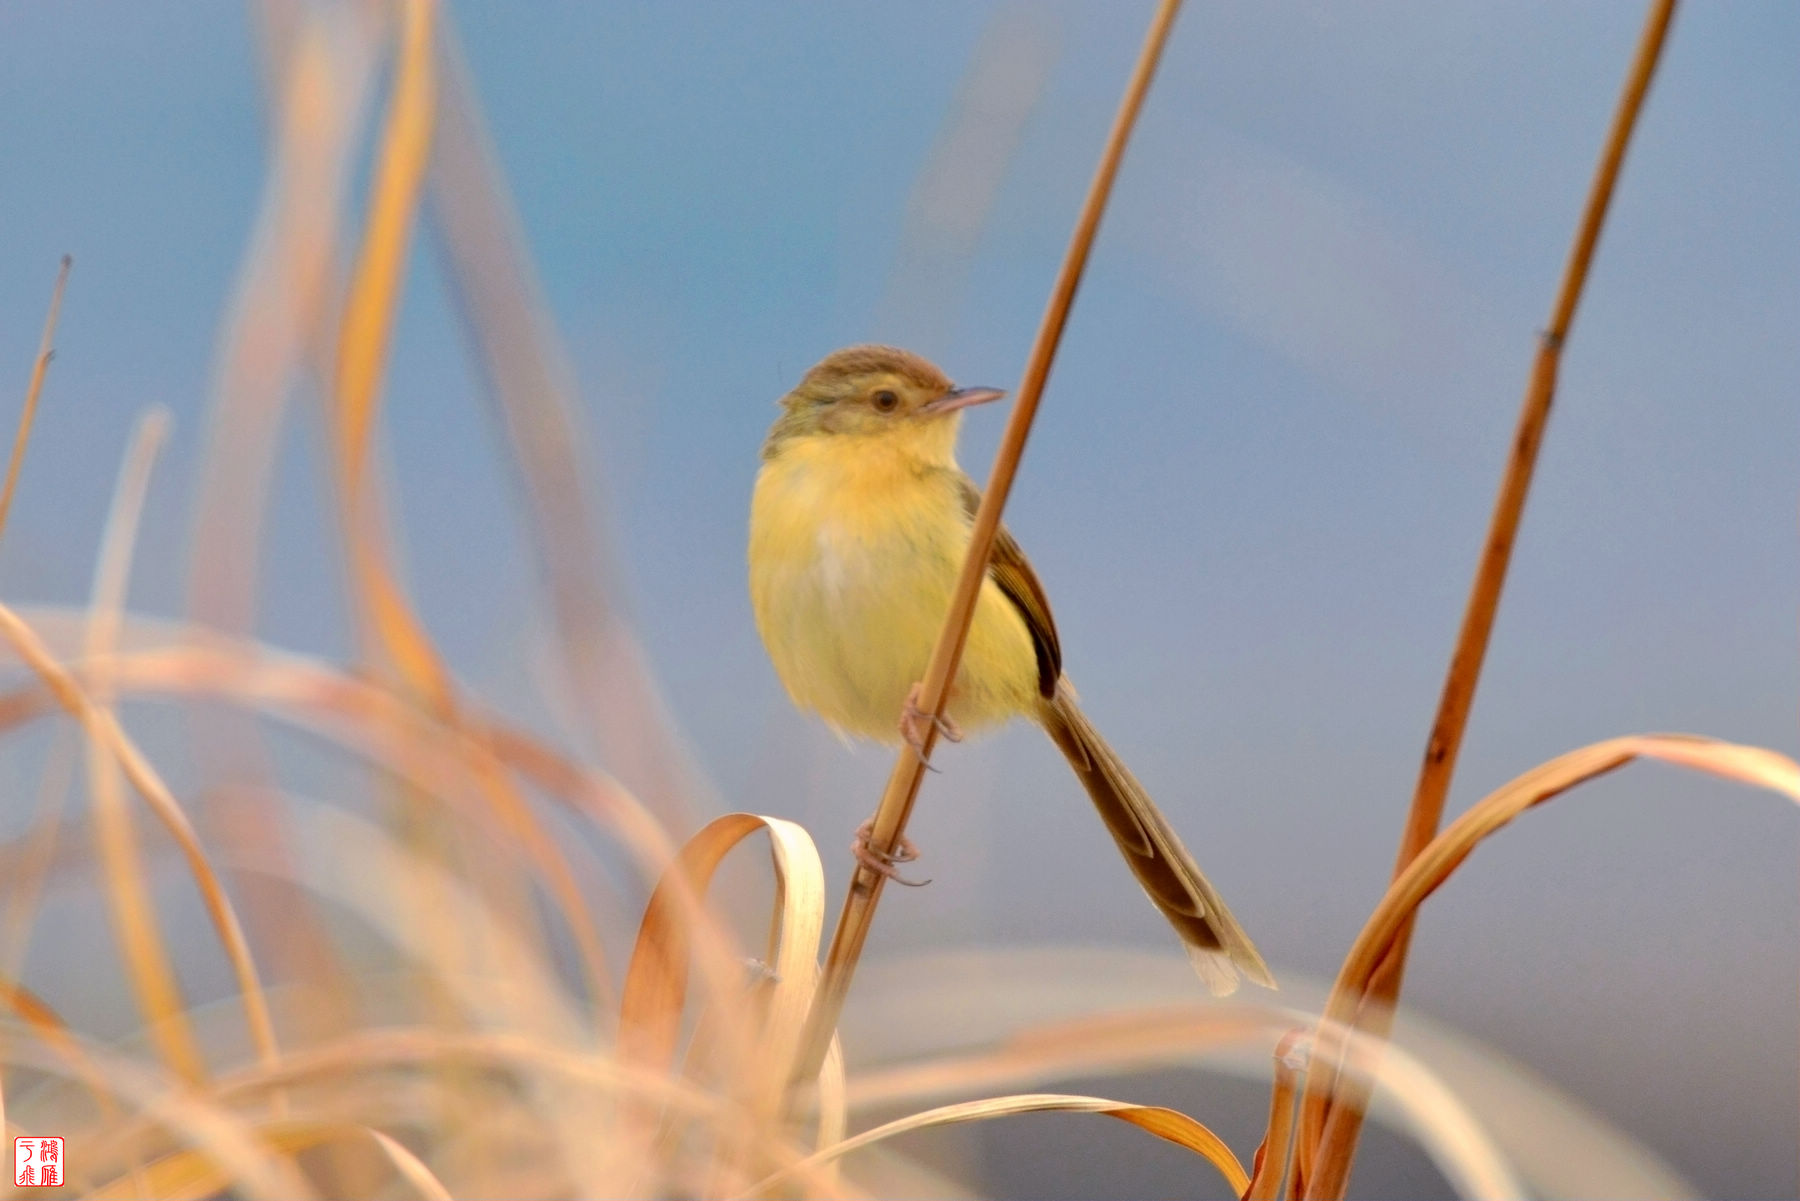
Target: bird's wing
column 1011, row 570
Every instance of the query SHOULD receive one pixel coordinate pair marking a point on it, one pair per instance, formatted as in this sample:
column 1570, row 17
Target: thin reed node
column 903, row 783
column 1324, row 1166
column 39, row 367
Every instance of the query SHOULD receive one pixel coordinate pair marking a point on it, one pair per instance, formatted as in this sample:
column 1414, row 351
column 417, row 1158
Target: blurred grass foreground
column 364, row 936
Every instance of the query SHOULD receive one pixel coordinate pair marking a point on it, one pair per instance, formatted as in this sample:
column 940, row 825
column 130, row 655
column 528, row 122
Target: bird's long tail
column 1216, row 944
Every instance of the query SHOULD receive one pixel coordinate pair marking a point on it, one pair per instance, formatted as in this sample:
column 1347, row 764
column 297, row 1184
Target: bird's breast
column 852, row 564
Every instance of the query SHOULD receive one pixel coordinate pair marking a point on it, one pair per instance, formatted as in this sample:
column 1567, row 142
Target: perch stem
column 903, row 783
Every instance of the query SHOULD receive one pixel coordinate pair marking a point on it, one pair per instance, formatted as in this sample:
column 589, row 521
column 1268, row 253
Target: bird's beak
column 961, row 398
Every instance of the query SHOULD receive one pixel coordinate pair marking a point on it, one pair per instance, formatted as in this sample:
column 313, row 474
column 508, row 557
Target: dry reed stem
column 1269, row 1170
column 903, row 784
column 39, row 367
column 1439, row 764
column 1347, row 1007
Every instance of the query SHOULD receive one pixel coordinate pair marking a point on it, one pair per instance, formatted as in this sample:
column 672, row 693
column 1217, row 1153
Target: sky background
column 1255, row 490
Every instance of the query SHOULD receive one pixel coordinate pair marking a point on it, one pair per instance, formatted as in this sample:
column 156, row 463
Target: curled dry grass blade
column 1168, row 1124
column 101, row 726
column 1133, row 1040
column 889, row 823
column 1435, row 773
column 1393, row 916
column 753, row 1044
column 360, row 716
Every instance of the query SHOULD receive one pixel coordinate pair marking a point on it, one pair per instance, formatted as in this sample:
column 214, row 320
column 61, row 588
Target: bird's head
column 877, row 392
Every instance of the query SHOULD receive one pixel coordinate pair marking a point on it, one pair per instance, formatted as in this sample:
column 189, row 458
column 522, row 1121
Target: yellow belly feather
column 854, row 555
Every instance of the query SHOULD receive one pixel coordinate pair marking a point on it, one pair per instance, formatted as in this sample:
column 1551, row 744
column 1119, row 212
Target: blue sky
column 1255, row 490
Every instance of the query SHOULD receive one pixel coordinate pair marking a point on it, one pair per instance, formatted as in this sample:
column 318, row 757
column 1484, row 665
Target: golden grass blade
column 363, row 343
column 796, row 926
column 909, row 767
column 365, row 718
column 368, row 319
column 953, row 1025
column 149, row 966
column 1169, row 1124
column 613, row 693
column 101, row 726
column 1754, row 766
column 1439, row 765
column 39, row 367
column 55, row 1035
column 280, row 309
column 834, row 1109
column 37, row 854
column 192, row 1174
column 364, row 869
column 343, row 1061
column 954, row 194
column 282, row 314
column 751, row 1046
column 157, row 1103
column 411, row 1168
column 112, row 571
column 1129, row 1041
column 1117, row 1042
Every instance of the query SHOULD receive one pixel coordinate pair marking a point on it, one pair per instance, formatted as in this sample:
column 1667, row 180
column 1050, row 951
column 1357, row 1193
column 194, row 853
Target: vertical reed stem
column 903, row 784
column 1333, row 1121
column 46, row 352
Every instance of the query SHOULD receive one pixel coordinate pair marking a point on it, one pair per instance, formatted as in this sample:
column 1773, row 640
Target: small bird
column 858, row 530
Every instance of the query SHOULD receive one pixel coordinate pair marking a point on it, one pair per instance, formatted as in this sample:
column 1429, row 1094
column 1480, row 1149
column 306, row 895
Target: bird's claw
column 883, row 863
column 914, row 721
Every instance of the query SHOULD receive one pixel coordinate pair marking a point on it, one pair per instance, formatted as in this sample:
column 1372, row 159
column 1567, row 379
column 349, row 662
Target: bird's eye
column 886, row 400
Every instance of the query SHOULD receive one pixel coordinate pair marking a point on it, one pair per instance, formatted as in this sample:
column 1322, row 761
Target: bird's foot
column 884, row 863
column 914, row 721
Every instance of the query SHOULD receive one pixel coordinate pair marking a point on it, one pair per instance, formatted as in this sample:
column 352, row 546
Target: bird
column 859, row 523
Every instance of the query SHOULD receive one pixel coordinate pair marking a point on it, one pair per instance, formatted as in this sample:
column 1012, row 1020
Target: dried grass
column 422, row 1034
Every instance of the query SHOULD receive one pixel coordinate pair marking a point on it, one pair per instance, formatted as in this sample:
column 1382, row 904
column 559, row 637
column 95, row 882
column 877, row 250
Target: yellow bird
column 858, row 530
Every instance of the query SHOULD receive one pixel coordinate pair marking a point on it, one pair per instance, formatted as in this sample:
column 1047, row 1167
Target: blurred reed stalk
column 909, row 768
column 1332, row 1123
column 39, row 368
